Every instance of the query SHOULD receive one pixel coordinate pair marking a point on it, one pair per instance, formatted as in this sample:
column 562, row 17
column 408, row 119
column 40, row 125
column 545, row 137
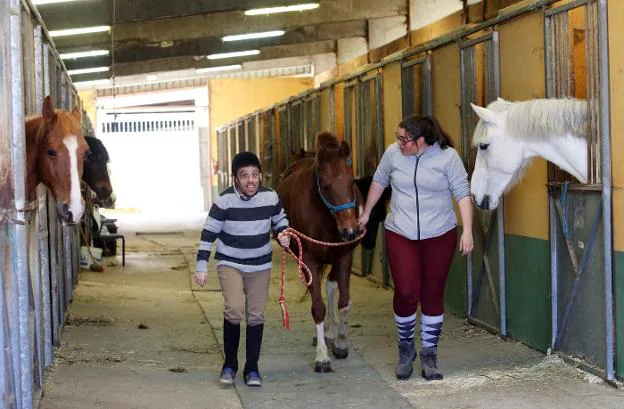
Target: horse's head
column 96, row 173
column 335, row 183
column 60, row 157
column 500, row 158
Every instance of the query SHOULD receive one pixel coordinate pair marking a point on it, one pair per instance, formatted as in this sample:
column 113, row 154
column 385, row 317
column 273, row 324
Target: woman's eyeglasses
column 403, row 140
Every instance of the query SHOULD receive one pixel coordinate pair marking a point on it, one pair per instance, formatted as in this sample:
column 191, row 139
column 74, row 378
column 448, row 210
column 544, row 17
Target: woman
column 425, row 173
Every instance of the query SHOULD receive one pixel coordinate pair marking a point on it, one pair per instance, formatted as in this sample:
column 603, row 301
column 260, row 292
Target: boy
column 241, row 219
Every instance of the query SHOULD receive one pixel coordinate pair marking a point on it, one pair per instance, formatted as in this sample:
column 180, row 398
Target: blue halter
column 331, row 207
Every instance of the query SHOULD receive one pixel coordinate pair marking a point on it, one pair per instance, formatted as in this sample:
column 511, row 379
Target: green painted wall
column 528, row 290
column 455, row 292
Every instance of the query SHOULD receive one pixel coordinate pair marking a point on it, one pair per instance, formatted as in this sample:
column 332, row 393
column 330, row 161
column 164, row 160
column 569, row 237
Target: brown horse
column 322, row 202
column 55, row 152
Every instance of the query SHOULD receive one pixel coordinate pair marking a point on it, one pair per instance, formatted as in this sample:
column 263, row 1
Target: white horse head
column 509, row 134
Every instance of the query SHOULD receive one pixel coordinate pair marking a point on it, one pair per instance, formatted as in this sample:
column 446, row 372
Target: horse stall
column 38, row 255
column 542, row 269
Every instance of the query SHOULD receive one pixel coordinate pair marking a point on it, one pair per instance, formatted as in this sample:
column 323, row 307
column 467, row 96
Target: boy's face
column 248, row 180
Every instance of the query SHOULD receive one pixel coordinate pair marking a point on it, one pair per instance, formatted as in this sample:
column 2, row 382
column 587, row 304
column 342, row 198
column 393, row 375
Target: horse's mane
column 539, row 119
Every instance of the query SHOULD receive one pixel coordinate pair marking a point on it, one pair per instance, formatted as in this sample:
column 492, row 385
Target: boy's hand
column 200, row 278
column 284, row 239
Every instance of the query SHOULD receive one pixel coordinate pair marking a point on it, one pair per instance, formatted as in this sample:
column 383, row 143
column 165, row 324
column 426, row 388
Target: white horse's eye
column 483, row 146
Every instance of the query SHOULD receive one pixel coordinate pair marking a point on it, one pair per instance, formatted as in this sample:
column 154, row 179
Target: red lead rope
column 296, row 235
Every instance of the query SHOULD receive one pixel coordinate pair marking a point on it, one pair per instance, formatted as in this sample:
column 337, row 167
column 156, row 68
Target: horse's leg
column 322, row 362
column 331, row 286
column 340, row 349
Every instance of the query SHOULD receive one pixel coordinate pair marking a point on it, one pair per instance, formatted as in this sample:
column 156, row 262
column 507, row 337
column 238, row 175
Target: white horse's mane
column 539, row 119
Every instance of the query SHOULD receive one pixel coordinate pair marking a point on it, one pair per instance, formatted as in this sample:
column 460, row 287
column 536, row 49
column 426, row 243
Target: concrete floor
column 144, row 336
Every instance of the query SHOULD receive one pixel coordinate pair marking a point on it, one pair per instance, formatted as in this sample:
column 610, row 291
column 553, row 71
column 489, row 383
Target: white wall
column 382, row 31
column 425, row 12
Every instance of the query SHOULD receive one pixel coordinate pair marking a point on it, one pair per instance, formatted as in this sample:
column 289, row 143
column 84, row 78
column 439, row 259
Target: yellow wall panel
column 233, row 98
column 522, row 45
column 446, row 80
column 616, row 75
column 392, row 101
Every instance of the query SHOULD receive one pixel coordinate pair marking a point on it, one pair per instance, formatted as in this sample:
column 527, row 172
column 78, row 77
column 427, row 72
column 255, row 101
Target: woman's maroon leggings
column 419, row 270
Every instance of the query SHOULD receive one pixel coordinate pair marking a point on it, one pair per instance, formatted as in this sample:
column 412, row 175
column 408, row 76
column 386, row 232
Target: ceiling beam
column 190, row 62
column 220, row 24
column 97, row 12
column 210, row 45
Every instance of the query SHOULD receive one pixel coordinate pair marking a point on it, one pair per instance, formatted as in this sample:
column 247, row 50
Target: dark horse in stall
column 322, row 202
column 95, row 172
column 378, row 212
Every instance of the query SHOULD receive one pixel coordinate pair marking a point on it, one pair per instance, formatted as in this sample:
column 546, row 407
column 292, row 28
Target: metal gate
column 580, row 215
column 284, row 131
column 351, row 117
column 480, row 81
column 232, row 149
column 297, row 129
column 269, row 166
column 370, row 148
column 222, row 158
column 38, row 256
column 312, row 121
column 416, row 86
column 250, row 135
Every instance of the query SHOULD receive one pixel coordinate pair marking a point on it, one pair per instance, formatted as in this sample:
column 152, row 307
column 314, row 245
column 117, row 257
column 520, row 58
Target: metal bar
column 429, row 85
column 577, row 187
column 475, row 41
column 410, row 63
column 332, row 109
column 464, row 114
column 407, row 90
column 605, row 154
column 565, row 8
column 43, row 298
column 380, row 117
column 554, row 270
column 19, row 229
column 502, row 267
column 502, row 272
column 7, row 370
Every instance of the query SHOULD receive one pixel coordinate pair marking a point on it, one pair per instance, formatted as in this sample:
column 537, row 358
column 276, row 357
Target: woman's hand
column 466, row 242
column 363, row 220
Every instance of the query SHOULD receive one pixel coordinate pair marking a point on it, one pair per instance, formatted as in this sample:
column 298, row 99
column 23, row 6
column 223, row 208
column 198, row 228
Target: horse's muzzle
column 64, row 213
column 484, row 204
column 109, row 202
column 349, row 234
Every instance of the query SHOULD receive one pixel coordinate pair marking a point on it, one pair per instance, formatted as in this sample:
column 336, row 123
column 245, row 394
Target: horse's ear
column 345, row 150
column 76, row 113
column 48, row 110
column 486, row 115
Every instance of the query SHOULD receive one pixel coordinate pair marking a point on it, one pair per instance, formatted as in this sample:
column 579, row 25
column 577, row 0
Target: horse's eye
column 51, row 153
column 483, row 146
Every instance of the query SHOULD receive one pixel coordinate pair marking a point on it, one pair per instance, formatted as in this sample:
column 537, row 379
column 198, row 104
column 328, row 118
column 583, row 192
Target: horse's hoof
column 340, row 353
column 322, row 367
